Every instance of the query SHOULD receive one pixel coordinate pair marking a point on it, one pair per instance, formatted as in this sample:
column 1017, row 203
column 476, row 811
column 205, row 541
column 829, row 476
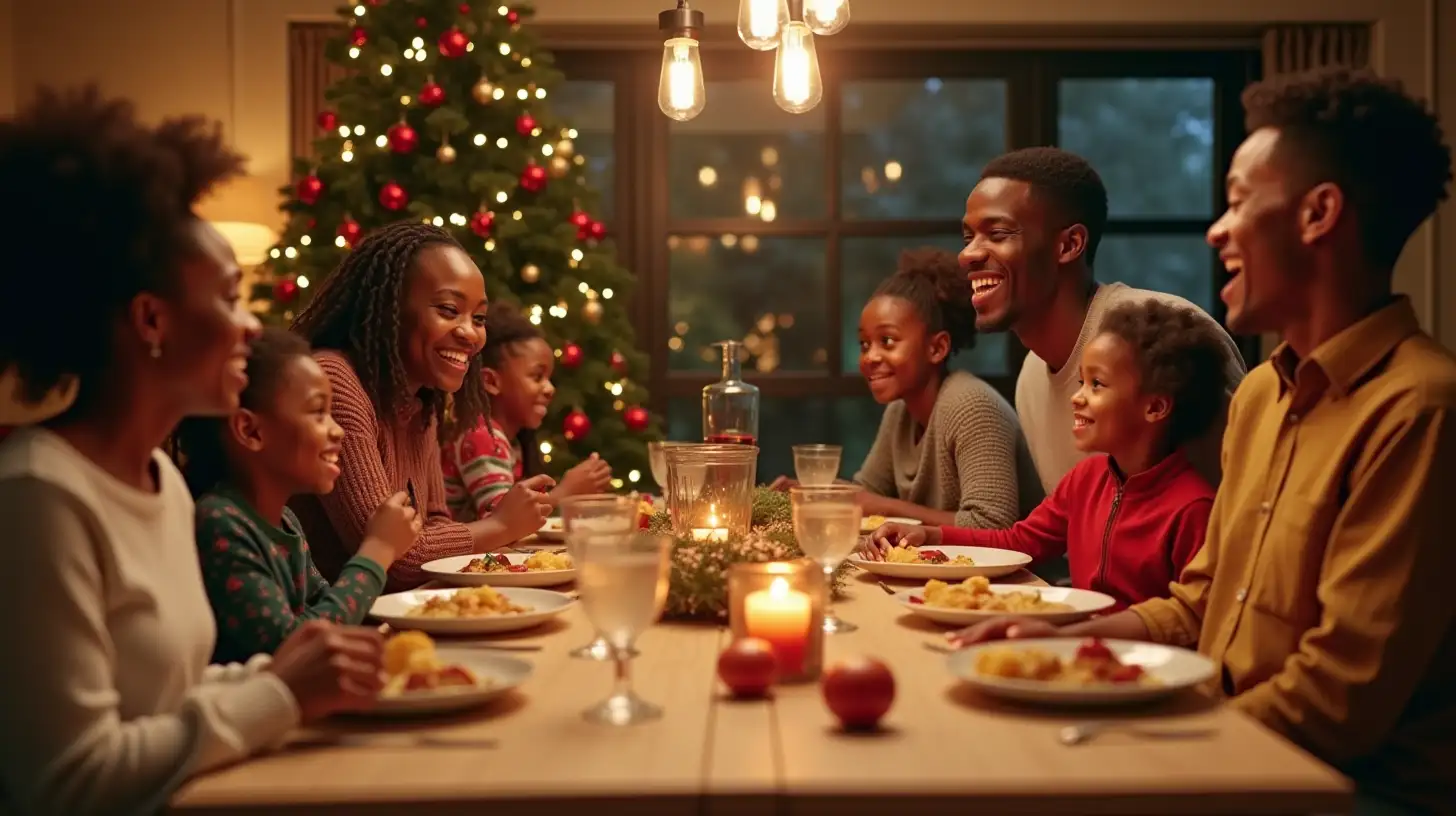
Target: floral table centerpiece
column 699, row 587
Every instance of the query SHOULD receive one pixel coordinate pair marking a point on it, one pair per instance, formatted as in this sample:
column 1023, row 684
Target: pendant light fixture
column 797, row 84
column 680, row 90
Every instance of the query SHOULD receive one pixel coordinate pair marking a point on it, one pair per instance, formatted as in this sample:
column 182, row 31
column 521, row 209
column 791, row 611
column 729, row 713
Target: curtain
column 1290, row 49
column 309, row 74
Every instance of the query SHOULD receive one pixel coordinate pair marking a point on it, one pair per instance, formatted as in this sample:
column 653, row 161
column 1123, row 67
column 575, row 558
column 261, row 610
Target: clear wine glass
column 623, row 582
column 816, row 464
column 826, row 523
column 657, row 459
column 588, row 519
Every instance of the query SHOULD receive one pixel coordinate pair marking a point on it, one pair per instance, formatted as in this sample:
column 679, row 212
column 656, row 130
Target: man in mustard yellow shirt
column 1326, row 590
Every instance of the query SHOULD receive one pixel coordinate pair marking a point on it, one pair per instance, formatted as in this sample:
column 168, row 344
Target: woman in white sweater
column 112, row 282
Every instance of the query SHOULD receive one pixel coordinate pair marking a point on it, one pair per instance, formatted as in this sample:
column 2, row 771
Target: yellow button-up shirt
column 1326, row 590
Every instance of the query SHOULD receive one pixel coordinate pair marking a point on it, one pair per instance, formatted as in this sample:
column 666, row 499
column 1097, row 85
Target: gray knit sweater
column 972, row 457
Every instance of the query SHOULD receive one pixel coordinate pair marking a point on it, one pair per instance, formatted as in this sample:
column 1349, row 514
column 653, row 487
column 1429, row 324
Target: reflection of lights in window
column 752, row 205
column 698, row 244
column 675, row 343
column 893, row 170
column 708, row 355
column 707, row 176
column 681, row 327
column 673, row 242
column 933, row 85
column 729, row 241
column 870, row 179
column 820, row 356
column 753, row 342
column 766, row 323
column 769, row 156
column 769, row 211
column 752, row 195
column 786, row 321
column 749, row 244
column 775, row 182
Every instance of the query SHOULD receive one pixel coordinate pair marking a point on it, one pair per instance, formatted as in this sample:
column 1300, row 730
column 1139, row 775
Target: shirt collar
column 1154, row 477
column 1346, row 358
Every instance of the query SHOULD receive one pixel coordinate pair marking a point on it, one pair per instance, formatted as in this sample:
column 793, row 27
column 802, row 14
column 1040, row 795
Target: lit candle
column 713, row 531
column 780, row 615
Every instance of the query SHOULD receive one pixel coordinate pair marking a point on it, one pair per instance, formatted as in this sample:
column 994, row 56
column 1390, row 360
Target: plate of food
column 469, row 610
column 423, row 679
column 553, row 529
column 976, row 599
column 869, row 524
column 538, row 569
column 946, row 563
column 1080, row 672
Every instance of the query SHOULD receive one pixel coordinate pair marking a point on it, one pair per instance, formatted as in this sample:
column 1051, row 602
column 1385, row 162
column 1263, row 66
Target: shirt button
column 1241, row 595
column 1293, row 418
column 1265, row 507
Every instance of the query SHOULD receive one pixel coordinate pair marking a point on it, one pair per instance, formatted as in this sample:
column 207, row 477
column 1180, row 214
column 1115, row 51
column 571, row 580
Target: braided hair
column 356, row 311
column 198, row 446
column 932, row 282
column 505, row 326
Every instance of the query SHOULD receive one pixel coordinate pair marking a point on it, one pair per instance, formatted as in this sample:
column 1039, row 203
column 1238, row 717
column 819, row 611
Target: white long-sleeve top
column 107, row 701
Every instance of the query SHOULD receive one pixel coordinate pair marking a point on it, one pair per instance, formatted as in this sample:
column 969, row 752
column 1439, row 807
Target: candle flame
column 778, row 589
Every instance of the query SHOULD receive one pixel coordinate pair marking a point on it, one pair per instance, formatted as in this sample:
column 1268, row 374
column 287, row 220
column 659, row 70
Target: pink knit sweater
column 377, row 460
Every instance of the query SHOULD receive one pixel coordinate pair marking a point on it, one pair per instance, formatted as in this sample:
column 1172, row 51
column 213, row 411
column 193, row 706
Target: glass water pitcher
column 730, row 406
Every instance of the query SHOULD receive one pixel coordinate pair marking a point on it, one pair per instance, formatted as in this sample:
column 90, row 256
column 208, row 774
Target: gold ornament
column 558, row 166
column 446, row 154
column 565, row 148
column 592, row 311
column 483, row 91
column 530, row 273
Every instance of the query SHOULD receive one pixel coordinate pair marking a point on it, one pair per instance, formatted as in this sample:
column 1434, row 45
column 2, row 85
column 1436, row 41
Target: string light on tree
column 530, row 273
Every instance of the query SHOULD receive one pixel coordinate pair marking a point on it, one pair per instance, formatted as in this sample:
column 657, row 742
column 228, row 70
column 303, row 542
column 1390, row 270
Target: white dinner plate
column 498, row 674
column 1174, row 669
column 394, row 610
column 554, row 529
column 447, row 570
column 991, row 563
column 1084, row 602
column 869, row 524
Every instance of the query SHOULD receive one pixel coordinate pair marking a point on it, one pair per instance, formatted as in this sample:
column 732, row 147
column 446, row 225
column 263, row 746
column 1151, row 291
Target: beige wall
column 227, row 59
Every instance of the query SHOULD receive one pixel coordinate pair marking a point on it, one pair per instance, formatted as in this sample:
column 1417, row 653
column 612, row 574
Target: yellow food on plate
column 923, row 555
column 546, row 560
column 975, row 594
column 1094, row 664
column 472, row 602
column 412, row 665
column 871, row 523
column 539, row 561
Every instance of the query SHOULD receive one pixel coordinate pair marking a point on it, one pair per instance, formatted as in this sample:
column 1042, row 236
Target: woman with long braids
column 398, row 329
column 109, row 702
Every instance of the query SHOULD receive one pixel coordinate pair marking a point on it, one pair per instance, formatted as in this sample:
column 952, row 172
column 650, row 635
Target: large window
column 748, row 223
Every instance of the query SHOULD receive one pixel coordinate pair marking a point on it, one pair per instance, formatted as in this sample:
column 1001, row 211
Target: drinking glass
column 592, row 518
column 816, row 464
column 657, row 458
column 623, row 582
column 826, row 523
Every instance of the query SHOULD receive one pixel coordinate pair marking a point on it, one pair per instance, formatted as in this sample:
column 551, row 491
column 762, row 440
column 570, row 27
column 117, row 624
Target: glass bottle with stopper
column 730, row 406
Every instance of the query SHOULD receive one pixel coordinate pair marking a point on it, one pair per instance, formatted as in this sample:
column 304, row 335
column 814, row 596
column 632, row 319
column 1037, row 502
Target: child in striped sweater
column 259, row 574
column 481, row 465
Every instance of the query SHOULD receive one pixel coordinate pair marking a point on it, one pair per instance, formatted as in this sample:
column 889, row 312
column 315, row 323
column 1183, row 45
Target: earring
column 156, row 350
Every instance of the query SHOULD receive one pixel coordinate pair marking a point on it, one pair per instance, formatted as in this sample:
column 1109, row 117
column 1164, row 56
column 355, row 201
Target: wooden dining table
column 942, row 745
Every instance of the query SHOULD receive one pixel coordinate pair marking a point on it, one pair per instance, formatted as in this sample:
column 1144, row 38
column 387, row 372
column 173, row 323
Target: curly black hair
column 1383, row 147
column 356, row 311
column 1180, row 354
column 198, row 444
column 505, row 326
column 108, row 213
column 1065, row 180
column 932, row 282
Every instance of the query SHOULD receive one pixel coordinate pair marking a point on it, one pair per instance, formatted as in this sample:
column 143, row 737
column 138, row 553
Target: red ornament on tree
column 454, row 43
column 596, row 230
column 328, row 120
column 358, row 36
column 580, row 220
column 513, row 17
column 432, row 94
column 619, row 362
column 286, row 289
column 572, row 355
column 533, row 178
column 350, row 231
column 393, row 197
column 403, row 138
column 308, row 189
column 481, row 223
column 525, row 123
column 576, row 425
column 464, row 8
column 636, row 418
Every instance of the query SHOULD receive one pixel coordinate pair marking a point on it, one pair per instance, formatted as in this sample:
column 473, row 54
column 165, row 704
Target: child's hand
column 392, row 530
column 525, row 507
column 331, row 668
column 593, row 475
column 903, row 535
column 783, row 483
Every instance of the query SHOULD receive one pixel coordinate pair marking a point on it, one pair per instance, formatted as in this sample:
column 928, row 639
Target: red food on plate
column 933, row 556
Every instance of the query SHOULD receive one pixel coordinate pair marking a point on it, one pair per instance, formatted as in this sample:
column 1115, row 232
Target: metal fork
column 1086, row 732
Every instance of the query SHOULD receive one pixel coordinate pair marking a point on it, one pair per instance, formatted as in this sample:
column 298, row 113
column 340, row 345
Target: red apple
column 748, row 667
column 859, row 691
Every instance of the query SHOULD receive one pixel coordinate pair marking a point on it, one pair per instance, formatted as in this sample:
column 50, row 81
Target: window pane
column 866, row 262
column 1178, row 264
column 785, row 422
column 743, row 156
column 1151, row 140
column 915, row 148
column 767, row 292
column 590, row 107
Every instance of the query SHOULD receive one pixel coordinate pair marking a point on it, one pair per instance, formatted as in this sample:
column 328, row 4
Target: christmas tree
column 443, row 116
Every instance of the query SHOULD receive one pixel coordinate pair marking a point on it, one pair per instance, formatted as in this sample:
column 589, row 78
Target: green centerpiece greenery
column 699, row 589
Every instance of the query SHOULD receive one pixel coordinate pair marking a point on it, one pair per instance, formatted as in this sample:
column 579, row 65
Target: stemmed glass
column 623, row 581
column 826, row 523
column 587, row 519
column 816, row 464
column 657, row 459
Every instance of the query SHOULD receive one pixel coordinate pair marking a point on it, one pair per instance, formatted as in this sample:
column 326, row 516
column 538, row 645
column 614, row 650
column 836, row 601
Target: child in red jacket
column 1152, row 378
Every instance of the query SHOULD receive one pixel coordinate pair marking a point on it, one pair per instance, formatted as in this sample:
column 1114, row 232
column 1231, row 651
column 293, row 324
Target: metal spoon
column 1086, row 732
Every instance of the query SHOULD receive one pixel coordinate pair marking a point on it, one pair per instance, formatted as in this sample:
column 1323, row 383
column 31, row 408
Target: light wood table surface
column 943, row 746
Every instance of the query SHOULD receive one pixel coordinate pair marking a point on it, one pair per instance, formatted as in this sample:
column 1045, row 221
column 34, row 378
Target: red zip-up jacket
column 1127, row 537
